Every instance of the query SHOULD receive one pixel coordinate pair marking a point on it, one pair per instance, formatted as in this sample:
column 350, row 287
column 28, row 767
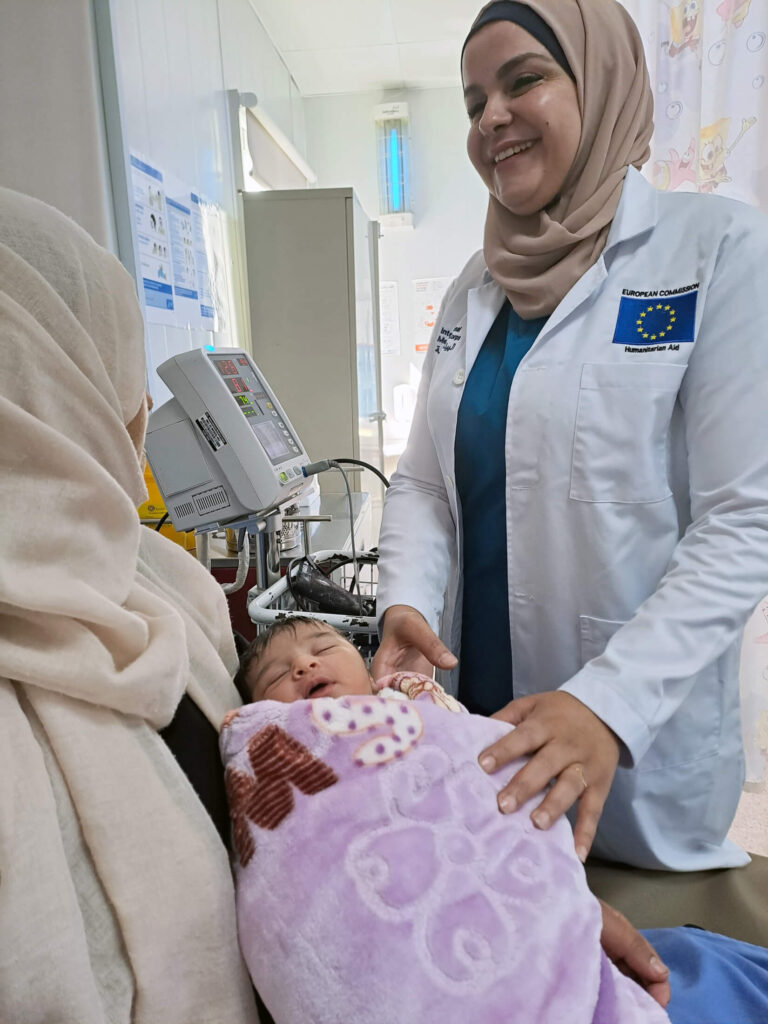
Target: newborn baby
column 303, row 659
column 376, row 879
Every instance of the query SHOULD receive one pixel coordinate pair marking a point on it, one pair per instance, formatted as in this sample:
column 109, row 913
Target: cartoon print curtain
column 708, row 61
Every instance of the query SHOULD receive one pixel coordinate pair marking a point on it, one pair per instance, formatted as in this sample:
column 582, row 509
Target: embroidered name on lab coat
column 447, row 340
column 656, row 321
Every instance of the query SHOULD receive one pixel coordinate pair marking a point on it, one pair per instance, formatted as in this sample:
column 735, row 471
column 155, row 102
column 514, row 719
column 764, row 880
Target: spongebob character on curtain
column 686, row 25
column 670, row 174
column 713, row 153
column 734, row 12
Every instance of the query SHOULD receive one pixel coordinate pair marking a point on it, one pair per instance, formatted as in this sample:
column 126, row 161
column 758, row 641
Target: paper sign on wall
column 182, row 252
column 202, row 272
column 183, row 262
column 215, row 302
column 152, row 231
column 428, row 293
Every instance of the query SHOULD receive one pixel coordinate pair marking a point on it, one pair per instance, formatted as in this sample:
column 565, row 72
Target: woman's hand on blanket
column 566, row 743
column 409, row 645
column 634, row 955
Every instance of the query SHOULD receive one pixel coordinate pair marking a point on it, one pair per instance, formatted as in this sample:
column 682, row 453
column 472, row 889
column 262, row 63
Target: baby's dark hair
column 258, row 647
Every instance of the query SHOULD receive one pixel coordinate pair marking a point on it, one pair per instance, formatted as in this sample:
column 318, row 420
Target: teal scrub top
column 485, row 667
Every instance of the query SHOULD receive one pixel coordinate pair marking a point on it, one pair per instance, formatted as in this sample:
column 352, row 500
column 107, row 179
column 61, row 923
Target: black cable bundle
column 312, row 589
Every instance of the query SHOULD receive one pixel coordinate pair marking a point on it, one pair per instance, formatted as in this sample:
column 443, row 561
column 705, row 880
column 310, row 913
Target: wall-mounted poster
column 150, row 214
column 185, row 292
column 202, row 271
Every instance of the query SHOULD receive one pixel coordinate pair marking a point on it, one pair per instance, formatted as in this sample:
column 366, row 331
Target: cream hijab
column 116, row 899
column 537, row 259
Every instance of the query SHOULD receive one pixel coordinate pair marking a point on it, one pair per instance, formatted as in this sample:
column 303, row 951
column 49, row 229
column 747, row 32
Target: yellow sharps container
column 153, row 509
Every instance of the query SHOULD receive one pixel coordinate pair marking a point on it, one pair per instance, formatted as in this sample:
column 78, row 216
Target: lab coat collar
column 637, row 214
column 483, row 305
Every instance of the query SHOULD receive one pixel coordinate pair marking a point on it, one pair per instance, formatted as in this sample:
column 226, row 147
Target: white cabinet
column 312, row 269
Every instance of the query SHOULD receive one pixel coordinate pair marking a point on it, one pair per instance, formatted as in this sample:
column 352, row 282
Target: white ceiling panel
column 426, row 20
column 326, row 24
column 361, row 69
column 430, row 65
column 333, row 46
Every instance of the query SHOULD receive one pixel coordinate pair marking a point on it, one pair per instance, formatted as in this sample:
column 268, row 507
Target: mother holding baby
column 581, row 512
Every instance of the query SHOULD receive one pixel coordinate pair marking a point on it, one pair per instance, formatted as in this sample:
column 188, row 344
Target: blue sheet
column 714, row 979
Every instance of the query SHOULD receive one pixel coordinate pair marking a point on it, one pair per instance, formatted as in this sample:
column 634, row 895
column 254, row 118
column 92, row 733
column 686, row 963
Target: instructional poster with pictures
column 428, row 294
column 184, row 277
column 182, row 251
column 154, row 241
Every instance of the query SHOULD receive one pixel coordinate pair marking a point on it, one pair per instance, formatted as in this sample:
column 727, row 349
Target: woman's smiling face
column 525, row 123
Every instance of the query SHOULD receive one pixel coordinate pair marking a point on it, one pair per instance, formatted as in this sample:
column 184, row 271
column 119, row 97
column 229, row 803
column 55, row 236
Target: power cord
column 320, row 467
column 365, row 465
column 335, row 465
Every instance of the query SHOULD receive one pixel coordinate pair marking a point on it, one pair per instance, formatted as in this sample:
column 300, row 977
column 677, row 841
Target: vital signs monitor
column 222, row 449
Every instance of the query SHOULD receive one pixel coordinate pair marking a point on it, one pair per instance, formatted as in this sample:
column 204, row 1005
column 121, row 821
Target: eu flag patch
column 662, row 320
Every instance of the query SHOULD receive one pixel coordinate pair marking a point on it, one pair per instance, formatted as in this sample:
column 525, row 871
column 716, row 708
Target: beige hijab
column 116, row 899
column 537, row 259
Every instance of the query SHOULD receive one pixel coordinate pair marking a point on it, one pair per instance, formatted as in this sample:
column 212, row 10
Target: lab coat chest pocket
column 621, row 436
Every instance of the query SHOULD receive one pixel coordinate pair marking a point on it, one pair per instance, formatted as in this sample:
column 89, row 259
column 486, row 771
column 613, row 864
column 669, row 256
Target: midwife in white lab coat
column 581, row 513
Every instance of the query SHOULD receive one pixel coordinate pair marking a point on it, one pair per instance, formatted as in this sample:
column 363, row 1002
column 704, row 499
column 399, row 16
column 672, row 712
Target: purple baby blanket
column 377, row 882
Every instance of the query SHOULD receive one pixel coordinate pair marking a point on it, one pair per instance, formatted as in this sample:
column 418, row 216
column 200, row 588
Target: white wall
column 53, row 143
column 173, row 113
column 449, row 200
column 166, row 66
column 174, row 62
column 252, row 64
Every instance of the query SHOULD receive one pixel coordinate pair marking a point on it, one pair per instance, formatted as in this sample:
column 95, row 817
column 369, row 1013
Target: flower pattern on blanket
column 265, row 798
column 461, row 870
column 375, row 888
column 395, row 726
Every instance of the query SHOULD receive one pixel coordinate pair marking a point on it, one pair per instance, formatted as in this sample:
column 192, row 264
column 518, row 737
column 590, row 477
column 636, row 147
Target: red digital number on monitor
column 226, row 367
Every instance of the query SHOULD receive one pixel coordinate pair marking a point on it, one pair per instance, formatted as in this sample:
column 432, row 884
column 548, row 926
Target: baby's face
column 313, row 661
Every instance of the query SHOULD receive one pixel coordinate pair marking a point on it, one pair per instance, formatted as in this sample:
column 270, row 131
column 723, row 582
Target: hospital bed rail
column 265, row 607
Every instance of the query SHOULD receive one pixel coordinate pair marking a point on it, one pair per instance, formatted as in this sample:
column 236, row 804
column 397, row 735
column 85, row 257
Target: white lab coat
column 637, row 510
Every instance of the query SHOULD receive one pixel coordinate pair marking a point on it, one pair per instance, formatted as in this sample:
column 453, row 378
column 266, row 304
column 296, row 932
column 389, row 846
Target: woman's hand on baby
column 633, row 955
column 409, row 645
column 566, row 743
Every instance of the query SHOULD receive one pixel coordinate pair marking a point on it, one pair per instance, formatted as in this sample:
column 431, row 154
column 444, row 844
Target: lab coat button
column 459, row 377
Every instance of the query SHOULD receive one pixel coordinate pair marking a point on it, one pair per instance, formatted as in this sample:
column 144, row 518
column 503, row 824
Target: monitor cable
column 321, row 467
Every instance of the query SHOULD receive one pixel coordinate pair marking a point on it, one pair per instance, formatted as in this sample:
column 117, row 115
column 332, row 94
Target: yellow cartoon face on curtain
column 714, row 151
column 686, row 27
